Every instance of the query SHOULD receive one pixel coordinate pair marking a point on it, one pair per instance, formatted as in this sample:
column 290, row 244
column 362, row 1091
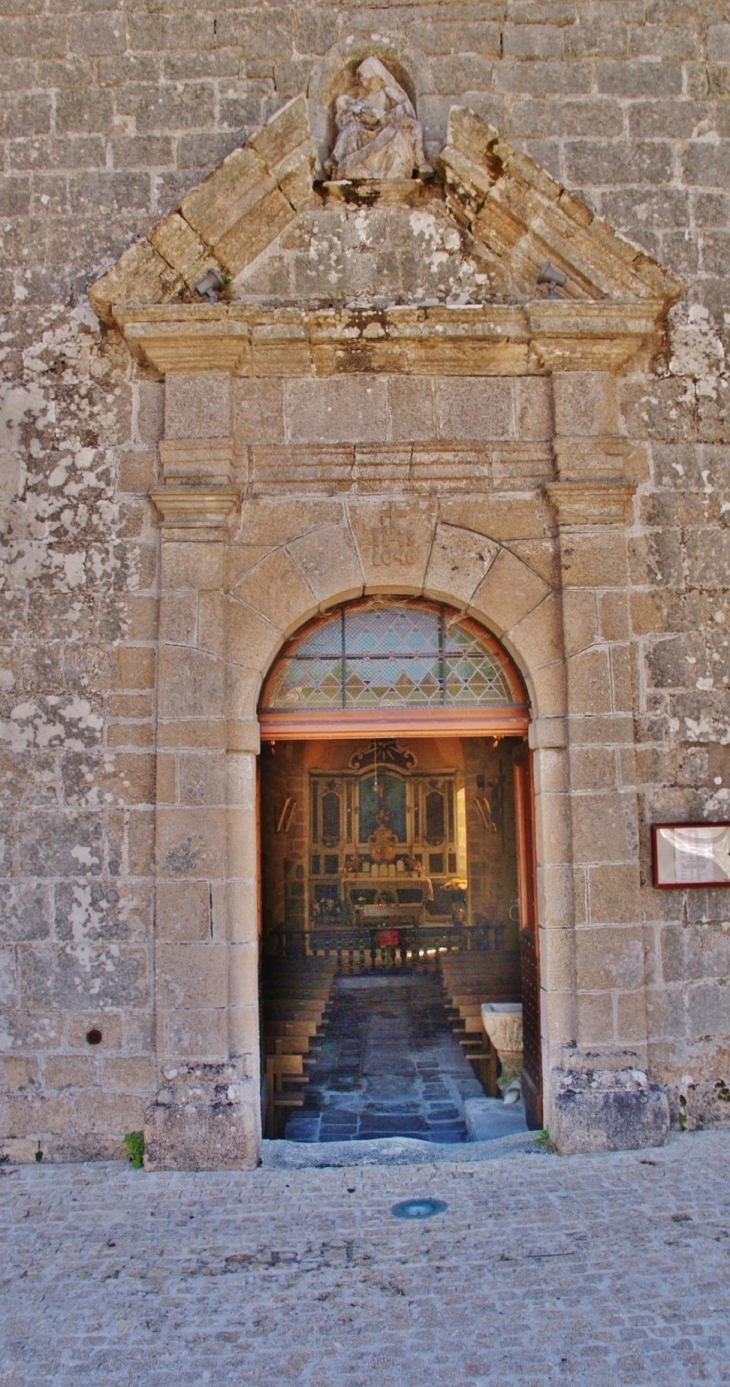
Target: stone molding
column 194, row 507
column 602, row 457
column 516, row 212
column 590, row 503
column 189, row 339
column 478, row 339
column 393, row 192
column 522, row 215
column 197, row 459
column 361, row 469
column 224, row 223
column 570, row 335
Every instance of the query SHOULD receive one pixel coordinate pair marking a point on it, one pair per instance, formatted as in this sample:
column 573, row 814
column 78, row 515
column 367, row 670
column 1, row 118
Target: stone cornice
column 180, row 339
column 477, row 339
column 575, row 335
column 524, row 217
column 516, row 212
column 224, row 223
column 196, row 507
column 585, row 504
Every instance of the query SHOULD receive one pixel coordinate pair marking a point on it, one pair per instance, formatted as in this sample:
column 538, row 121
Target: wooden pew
column 468, row 980
column 295, row 1003
column 284, row 1075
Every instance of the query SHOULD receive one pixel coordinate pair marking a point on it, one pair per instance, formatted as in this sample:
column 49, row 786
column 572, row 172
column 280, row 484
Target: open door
column 388, row 727
column 529, row 939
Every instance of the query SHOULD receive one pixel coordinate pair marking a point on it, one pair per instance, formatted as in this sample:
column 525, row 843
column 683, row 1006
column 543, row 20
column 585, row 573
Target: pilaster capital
column 574, row 335
column 192, row 509
column 547, row 733
column 199, row 340
column 585, row 504
column 243, row 735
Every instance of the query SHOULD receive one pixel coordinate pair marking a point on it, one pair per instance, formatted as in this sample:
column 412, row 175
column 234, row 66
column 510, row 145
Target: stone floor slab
column 387, row 1056
column 488, row 1119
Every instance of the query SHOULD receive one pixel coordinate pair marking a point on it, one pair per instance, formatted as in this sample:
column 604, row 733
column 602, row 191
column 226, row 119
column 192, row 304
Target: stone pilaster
column 206, row 1111
column 599, row 1096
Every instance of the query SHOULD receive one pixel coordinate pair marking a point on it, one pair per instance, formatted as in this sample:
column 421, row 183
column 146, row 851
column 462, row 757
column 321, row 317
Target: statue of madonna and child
column 379, row 136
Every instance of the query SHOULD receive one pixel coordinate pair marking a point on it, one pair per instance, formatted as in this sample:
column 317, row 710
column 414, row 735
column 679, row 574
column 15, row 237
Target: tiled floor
column 388, row 1065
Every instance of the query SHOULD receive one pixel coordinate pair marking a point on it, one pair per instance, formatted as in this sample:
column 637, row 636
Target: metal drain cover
column 418, row 1208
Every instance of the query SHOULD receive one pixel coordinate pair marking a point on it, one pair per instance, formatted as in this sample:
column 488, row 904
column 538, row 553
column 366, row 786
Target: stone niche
column 381, row 399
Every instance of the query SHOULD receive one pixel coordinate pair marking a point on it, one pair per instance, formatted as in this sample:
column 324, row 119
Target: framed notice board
column 686, row 855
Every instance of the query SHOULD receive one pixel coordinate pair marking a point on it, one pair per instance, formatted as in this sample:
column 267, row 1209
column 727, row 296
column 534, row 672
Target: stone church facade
column 497, row 383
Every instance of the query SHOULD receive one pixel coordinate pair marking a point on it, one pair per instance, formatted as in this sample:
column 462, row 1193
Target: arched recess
column 334, row 72
column 388, row 665
column 320, row 566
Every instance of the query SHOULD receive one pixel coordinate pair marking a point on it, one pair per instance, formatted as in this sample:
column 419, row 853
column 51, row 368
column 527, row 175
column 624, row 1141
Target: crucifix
column 489, row 801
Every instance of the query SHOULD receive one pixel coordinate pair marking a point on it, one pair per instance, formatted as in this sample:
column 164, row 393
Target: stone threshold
column 289, row 1155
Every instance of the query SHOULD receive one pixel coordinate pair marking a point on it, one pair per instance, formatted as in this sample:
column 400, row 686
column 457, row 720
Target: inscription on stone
column 390, row 542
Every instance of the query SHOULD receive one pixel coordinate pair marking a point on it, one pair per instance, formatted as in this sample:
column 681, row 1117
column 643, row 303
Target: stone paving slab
column 603, row 1271
column 490, row 1119
column 388, row 1064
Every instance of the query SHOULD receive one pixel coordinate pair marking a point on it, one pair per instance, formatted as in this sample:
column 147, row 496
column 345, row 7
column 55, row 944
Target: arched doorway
column 396, row 812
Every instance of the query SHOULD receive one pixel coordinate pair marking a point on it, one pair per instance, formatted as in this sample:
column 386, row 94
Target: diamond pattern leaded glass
column 301, row 684
column 384, row 655
column 393, row 630
column 322, row 640
column 392, row 682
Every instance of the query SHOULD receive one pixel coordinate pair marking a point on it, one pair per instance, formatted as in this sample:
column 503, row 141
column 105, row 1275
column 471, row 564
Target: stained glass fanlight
column 378, row 656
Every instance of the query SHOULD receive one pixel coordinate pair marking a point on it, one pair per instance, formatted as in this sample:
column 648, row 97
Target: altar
column 385, row 838
column 398, row 915
column 383, row 853
column 387, row 850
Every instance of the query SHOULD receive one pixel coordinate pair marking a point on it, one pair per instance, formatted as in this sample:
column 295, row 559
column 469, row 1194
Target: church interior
column 389, row 873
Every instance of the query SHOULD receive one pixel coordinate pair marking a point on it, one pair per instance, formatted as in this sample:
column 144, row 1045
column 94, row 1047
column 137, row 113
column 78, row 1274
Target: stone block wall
column 112, row 117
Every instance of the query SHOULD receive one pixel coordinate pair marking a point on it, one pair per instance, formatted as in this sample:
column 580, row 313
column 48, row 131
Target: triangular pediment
column 223, row 224
column 523, row 216
column 475, row 234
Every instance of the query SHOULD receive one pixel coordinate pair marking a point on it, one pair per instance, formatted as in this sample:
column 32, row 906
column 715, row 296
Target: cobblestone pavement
column 605, row 1271
column 388, row 1065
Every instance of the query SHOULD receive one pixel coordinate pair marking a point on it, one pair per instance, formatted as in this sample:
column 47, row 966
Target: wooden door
column 529, row 938
column 259, row 874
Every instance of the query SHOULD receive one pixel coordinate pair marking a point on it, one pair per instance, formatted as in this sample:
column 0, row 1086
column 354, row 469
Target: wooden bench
column 284, row 1077
column 295, row 1002
column 468, row 982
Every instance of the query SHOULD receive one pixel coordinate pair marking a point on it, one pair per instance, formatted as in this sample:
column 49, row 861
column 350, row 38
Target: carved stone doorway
column 472, row 451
